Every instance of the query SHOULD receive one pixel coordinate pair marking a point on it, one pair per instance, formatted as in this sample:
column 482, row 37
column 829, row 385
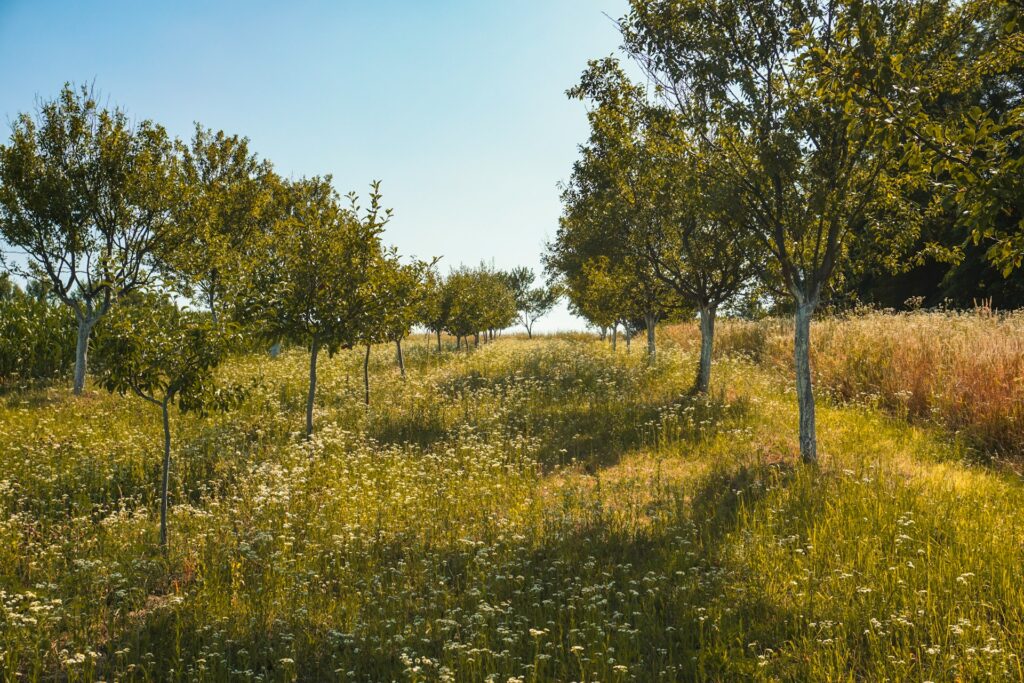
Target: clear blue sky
column 457, row 105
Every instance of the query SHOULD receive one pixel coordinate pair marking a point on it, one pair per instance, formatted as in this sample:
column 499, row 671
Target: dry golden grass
column 959, row 370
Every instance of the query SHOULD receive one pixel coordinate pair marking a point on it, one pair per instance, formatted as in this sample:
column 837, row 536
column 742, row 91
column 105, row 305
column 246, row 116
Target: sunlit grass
column 539, row 510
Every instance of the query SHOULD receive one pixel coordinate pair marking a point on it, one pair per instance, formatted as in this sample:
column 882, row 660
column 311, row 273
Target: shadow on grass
column 638, row 596
column 577, row 417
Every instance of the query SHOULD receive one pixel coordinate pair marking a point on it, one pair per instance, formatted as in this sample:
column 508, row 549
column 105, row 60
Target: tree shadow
column 589, row 581
column 562, row 423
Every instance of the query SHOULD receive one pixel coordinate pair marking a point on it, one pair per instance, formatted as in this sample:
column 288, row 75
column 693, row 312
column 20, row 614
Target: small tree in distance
column 532, row 303
column 165, row 356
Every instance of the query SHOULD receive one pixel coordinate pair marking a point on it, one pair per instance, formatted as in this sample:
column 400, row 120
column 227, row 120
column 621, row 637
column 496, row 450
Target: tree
column 405, row 286
column 165, row 356
column 594, row 252
column 311, row 282
column 774, row 86
column 87, row 196
column 671, row 209
column 397, row 290
column 497, row 301
column 476, row 299
column 433, row 312
column 532, row 303
column 226, row 201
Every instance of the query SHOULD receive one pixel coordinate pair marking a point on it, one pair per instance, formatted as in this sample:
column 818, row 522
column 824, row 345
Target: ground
column 531, row 510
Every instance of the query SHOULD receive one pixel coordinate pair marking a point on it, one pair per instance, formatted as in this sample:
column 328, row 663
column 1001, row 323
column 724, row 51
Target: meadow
column 535, row 510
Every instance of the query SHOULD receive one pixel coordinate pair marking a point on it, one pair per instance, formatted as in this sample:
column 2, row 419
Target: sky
column 457, row 106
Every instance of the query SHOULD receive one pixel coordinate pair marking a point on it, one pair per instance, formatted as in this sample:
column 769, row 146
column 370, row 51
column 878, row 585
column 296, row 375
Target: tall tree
column 226, row 200
column 672, row 210
column 770, row 84
column 87, row 196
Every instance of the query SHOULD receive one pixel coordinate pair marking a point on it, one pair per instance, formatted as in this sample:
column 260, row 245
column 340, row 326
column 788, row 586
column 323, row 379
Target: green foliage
column 310, row 281
column 400, row 291
column 155, row 350
column 225, row 203
column 475, row 300
column 37, row 336
column 775, row 89
column 87, row 196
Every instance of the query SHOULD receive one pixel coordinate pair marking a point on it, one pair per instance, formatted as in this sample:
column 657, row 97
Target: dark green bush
column 37, row 337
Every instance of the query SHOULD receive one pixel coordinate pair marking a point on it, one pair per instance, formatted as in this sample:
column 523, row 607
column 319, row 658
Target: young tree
column 312, row 283
column 226, row 201
column 165, row 356
column 498, row 304
column 772, row 84
column 532, row 303
column 406, row 291
column 476, row 299
column 433, row 312
column 87, row 196
column 397, row 290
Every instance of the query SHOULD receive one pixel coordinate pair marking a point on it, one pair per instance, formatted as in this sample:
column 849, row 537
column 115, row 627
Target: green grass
column 531, row 511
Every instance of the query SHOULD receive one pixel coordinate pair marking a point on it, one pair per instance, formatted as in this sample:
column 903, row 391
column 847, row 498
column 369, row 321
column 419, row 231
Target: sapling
column 165, row 356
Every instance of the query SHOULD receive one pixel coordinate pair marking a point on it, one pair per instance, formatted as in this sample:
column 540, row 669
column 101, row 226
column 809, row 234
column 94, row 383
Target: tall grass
column 961, row 370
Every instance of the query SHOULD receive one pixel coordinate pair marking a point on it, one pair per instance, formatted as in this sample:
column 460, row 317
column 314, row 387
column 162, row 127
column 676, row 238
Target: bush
column 37, row 338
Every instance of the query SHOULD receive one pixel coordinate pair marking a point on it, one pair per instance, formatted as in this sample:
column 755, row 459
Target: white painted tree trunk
column 366, row 376
column 650, row 321
column 85, row 326
column 804, row 390
column 707, row 340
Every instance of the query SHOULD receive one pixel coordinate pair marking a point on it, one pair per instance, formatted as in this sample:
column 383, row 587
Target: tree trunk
column 314, row 351
column 366, row 375
column 458, row 342
column 804, row 390
column 529, row 331
column 707, row 340
column 401, row 358
column 166, row 473
column 211, row 300
column 85, row 326
column 439, row 341
column 615, row 335
column 604, row 333
column 650, row 322
column 476, row 339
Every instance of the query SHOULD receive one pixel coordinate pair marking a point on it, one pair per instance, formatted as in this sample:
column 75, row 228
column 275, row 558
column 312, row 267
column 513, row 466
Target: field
column 535, row 510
